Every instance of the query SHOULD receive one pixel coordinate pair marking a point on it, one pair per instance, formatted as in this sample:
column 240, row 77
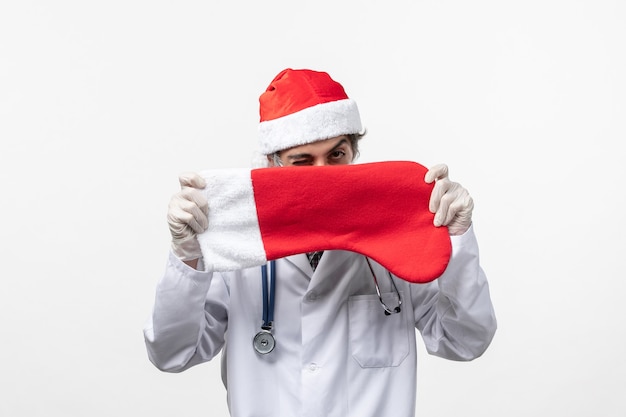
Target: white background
column 103, row 104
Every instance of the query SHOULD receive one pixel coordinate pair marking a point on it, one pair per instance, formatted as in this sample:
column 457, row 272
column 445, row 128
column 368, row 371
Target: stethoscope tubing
column 268, row 300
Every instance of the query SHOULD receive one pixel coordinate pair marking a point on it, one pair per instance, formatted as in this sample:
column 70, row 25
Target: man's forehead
column 325, row 145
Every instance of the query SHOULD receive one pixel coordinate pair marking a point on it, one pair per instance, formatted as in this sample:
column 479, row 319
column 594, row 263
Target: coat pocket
column 377, row 340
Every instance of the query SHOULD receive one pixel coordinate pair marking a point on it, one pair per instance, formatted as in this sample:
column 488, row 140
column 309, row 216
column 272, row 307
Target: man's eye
column 337, row 154
column 301, row 162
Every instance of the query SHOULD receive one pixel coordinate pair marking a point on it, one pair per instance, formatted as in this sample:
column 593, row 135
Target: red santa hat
column 303, row 106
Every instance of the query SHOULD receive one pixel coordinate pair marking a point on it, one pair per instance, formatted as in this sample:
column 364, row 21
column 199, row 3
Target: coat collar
column 301, row 261
column 328, row 264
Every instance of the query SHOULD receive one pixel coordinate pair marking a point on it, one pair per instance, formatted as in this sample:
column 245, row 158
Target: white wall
column 103, row 104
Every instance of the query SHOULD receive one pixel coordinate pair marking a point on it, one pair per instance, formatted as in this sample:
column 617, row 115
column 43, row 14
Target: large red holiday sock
column 376, row 209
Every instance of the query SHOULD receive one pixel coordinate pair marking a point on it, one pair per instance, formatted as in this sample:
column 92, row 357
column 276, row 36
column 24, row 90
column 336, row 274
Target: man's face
column 333, row 151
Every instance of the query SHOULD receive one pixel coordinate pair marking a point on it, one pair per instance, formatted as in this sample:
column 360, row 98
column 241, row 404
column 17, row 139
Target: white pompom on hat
column 301, row 106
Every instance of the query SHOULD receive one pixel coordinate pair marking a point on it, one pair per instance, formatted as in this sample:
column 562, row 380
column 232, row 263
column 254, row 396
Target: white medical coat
column 336, row 352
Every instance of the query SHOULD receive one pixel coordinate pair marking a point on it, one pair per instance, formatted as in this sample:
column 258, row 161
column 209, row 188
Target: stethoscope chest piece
column 264, row 342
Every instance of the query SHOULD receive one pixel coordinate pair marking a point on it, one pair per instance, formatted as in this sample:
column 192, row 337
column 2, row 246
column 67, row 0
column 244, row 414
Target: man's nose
column 320, row 162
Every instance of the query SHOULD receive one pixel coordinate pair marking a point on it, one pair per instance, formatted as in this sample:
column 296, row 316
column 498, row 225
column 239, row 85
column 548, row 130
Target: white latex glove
column 187, row 216
column 450, row 202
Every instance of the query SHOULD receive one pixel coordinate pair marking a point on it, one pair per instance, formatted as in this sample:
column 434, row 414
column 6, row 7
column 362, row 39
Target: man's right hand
column 187, row 216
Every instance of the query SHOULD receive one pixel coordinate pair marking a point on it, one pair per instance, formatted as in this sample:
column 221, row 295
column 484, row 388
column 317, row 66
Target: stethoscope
column 264, row 341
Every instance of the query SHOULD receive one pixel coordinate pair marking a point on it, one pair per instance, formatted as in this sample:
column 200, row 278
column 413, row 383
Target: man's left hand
column 450, row 202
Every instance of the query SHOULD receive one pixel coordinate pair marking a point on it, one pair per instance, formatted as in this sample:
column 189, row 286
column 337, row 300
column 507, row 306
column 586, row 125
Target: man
column 332, row 351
